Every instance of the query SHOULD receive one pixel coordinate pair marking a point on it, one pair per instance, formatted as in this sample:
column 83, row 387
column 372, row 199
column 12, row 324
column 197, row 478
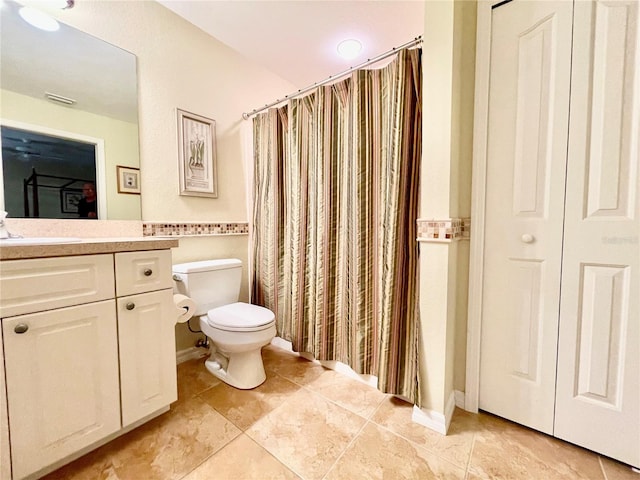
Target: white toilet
column 237, row 330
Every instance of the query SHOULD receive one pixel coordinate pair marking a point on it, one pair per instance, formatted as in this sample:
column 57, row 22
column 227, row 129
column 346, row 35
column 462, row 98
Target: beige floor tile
column 97, row 465
column 244, row 407
column 295, row 368
column 171, row 447
column 167, row 447
column 618, row 471
column 379, row 454
column 395, row 415
column 307, row 433
column 308, row 429
column 194, row 378
column 351, row 394
column 272, row 354
column 242, row 459
column 505, row 450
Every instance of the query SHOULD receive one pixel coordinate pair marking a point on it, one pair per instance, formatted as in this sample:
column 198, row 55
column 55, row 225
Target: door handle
column 527, row 238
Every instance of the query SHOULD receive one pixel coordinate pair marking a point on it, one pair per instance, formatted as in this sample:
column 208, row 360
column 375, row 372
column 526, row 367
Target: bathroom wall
column 448, row 76
column 180, row 66
column 464, row 53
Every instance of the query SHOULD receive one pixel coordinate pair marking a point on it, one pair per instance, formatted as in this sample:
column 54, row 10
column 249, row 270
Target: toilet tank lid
column 207, row 265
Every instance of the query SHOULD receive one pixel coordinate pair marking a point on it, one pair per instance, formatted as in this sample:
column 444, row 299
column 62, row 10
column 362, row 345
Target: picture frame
column 128, row 180
column 69, row 198
column 197, row 155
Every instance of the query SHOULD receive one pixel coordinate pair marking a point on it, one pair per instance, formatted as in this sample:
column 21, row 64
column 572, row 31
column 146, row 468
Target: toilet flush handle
column 176, row 277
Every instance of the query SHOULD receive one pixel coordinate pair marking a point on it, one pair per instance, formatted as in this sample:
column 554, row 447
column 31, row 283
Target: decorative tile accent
column 152, row 229
column 448, row 230
column 466, row 228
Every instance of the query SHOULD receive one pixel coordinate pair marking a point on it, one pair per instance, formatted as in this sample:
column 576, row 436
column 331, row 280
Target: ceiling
column 100, row 77
column 297, row 40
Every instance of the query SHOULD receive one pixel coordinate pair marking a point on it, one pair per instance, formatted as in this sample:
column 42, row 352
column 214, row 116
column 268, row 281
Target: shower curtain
column 336, row 179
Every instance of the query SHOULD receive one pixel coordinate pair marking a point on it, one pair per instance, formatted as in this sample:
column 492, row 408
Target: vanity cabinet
column 89, row 352
column 145, row 333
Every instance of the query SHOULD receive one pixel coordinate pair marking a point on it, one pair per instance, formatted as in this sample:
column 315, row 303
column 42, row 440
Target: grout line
column 215, row 452
column 427, row 448
column 468, row 467
column 275, row 457
column 604, row 473
column 351, row 442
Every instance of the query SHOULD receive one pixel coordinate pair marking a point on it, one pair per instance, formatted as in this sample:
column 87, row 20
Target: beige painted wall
column 448, row 66
column 120, row 141
column 179, row 66
column 464, row 52
column 192, row 249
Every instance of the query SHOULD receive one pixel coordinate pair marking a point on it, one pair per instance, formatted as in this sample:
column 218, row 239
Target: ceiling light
column 39, row 19
column 61, row 4
column 349, row 48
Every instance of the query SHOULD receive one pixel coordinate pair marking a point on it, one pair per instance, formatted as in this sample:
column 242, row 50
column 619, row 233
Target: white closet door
column 526, row 152
column 598, row 396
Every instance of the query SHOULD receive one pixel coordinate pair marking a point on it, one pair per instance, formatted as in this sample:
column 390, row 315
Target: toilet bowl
column 238, row 332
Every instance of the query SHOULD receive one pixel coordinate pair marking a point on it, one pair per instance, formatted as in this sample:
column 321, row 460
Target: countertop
column 88, row 246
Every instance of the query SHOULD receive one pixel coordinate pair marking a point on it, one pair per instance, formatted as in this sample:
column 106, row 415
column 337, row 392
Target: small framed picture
column 69, row 199
column 197, row 155
column 128, row 180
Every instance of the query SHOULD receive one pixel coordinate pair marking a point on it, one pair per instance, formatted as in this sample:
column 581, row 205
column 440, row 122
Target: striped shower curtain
column 334, row 228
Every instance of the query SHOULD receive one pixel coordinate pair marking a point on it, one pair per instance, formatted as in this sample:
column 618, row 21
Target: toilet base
column 243, row 370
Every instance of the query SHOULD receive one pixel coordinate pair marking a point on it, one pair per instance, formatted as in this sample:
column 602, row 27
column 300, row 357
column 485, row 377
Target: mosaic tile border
column 193, row 229
column 443, row 231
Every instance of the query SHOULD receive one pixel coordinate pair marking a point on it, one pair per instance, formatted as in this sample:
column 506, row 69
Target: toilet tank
column 210, row 283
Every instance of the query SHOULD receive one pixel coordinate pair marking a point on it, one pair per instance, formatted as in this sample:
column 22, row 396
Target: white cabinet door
column 5, row 459
column 62, row 382
column 147, row 353
column 598, row 393
column 526, row 154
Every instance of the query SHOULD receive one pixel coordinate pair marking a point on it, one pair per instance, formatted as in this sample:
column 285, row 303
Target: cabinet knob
column 130, row 306
column 21, row 328
column 147, row 272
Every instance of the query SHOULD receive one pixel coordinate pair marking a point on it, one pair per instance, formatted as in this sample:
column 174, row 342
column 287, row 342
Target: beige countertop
column 89, row 246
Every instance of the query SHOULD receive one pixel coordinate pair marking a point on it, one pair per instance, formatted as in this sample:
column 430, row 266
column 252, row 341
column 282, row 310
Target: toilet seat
column 240, row 317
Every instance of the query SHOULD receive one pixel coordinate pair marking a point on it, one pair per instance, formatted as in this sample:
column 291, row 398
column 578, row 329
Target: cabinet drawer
column 139, row 272
column 40, row 284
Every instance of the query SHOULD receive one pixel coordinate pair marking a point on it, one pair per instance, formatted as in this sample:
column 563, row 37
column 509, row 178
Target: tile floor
column 312, row 423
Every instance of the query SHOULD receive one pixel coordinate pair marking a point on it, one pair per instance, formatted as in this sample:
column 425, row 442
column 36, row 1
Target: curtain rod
column 332, row 78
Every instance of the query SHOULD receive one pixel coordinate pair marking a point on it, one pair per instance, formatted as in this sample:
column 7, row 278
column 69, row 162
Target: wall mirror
column 69, row 115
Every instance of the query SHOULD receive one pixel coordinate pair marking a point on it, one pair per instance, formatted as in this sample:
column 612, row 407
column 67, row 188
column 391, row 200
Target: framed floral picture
column 128, row 180
column 197, row 155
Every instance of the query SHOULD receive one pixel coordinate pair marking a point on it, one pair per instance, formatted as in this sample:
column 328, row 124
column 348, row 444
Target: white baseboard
column 436, row 421
column 190, row 354
column 282, row 343
column 460, row 398
column 339, row 367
